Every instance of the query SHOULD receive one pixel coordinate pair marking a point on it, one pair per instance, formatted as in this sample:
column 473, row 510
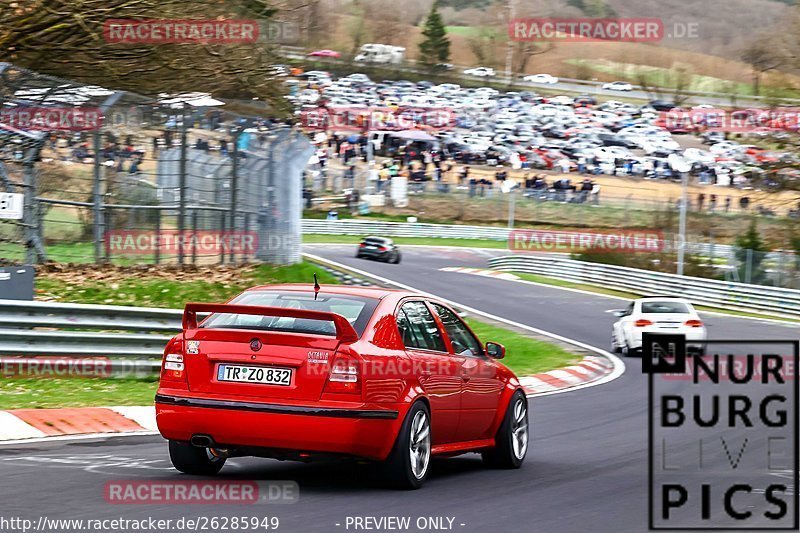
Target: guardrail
column 714, row 293
column 130, row 339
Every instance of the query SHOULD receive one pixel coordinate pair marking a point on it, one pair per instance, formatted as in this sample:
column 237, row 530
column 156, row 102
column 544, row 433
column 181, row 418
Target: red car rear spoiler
column 344, row 330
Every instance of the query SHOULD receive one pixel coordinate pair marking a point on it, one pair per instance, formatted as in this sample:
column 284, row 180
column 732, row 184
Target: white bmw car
column 657, row 315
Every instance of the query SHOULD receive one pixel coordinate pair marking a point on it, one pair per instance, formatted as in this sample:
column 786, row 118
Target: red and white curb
column 34, row 424
column 590, row 369
column 482, row 272
column 30, row 425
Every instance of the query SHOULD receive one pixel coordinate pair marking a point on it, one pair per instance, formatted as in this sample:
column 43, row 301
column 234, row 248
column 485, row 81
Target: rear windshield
column 664, row 307
column 355, row 309
column 376, row 240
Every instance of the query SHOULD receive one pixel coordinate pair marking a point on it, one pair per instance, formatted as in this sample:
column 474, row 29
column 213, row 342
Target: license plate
column 265, row 375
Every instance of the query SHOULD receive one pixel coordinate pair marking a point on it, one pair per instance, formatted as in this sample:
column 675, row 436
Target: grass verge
column 47, row 393
column 163, row 288
column 524, row 355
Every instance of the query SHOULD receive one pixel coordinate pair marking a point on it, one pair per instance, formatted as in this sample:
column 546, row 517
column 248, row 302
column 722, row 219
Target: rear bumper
column 367, row 431
column 694, row 336
column 373, row 254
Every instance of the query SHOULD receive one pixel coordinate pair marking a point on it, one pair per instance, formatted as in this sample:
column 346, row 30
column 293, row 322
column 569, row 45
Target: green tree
column 435, row 48
column 750, row 254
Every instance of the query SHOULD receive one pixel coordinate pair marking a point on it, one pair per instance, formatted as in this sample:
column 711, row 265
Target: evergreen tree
column 751, row 249
column 435, row 48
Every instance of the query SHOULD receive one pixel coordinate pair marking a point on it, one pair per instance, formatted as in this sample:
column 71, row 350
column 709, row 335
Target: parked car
column 484, row 72
column 325, row 53
column 618, row 86
column 662, row 105
column 541, row 78
column 657, row 315
column 301, row 373
column 379, row 248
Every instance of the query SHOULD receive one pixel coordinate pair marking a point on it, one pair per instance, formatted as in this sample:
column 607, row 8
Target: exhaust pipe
column 202, row 441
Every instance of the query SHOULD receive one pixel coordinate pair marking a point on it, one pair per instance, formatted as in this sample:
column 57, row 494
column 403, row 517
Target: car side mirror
column 495, row 350
column 618, row 312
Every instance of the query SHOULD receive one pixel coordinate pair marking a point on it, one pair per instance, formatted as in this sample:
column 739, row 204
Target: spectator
column 744, row 203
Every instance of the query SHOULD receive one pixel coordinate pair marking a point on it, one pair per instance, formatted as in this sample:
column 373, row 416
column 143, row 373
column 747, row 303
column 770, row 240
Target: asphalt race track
column 586, row 469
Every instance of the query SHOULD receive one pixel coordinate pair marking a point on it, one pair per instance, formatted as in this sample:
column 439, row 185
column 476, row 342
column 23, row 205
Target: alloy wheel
column 420, row 444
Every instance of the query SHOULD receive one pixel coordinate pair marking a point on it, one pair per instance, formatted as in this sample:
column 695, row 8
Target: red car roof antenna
column 316, row 286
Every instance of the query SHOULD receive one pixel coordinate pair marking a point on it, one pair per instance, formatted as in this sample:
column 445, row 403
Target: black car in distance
column 379, row 248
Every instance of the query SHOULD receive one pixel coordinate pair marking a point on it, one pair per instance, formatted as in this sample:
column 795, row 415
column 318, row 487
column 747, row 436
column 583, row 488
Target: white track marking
column 145, row 416
column 85, row 436
column 12, row 427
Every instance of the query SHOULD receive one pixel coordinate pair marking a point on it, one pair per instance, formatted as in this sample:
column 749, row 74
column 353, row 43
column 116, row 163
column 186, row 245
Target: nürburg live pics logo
column 722, row 433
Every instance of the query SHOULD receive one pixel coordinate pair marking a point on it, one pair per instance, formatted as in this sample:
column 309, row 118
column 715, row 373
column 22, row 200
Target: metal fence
column 173, row 179
column 714, row 293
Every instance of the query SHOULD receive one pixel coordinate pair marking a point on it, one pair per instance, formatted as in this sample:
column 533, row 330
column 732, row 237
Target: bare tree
column 524, row 51
column 763, row 54
column 66, row 39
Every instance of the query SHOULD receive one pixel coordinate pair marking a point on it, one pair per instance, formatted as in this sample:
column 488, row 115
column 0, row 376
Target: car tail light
column 642, row 322
column 344, row 377
column 694, row 323
column 382, row 248
column 173, row 366
column 362, row 245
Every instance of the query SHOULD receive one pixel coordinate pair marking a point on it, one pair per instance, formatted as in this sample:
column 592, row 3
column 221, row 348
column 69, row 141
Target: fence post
column 748, row 269
column 234, row 184
column 182, row 188
column 158, row 237
column 97, row 200
column 194, row 234
column 34, row 244
column 223, row 233
column 247, row 232
column 511, row 208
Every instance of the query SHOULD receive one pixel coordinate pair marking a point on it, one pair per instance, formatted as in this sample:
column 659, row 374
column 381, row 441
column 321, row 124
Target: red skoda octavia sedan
column 292, row 373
